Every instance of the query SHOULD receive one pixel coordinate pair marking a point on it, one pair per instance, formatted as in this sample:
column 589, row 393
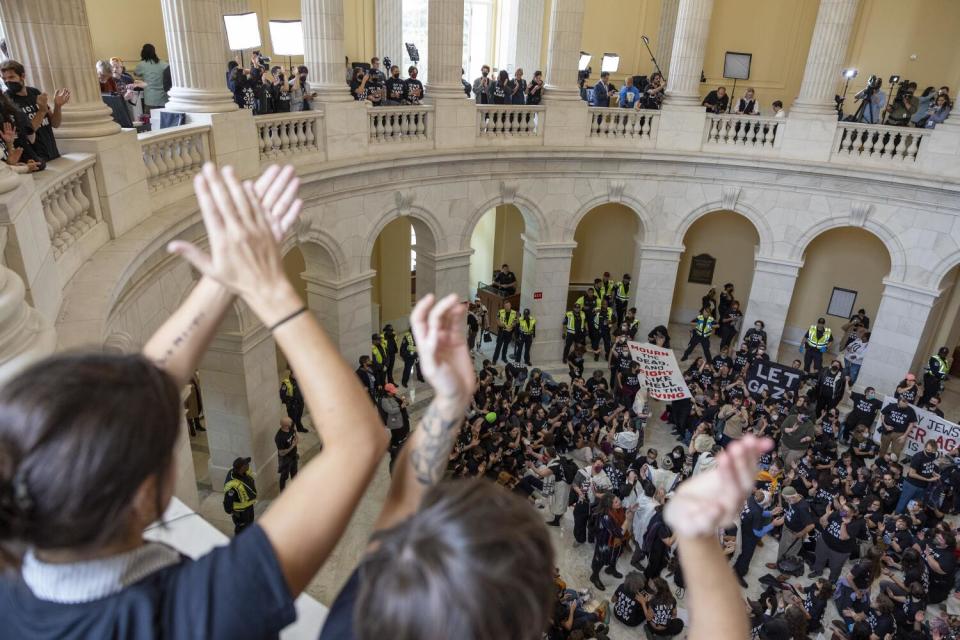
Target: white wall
column 482, row 243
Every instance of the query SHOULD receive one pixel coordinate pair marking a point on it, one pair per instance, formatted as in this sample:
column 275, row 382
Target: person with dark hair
column 609, row 537
column 35, row 106
column 603, row 91
column 934, row 374
column 150, row 69
column 815, row 343
column 439, row 546
column 701, row 329
column 300, row 93
column 413, row 92
column 367, row 377
column 292, row 399
column 717, row 101
column 288, row 459
column 233, row 64
column 87, row 456
column 535, row 89
column 240, row 494
column 626, row 600
column 660, row 609
column 15, row 132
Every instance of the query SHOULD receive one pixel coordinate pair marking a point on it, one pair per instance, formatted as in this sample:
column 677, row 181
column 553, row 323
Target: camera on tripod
column 904, row 88
column 583, row 76
column 873, row 84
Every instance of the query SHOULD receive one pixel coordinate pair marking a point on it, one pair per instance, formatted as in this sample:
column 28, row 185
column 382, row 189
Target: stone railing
column 859, row 141
column 624, row 124
column 400, row 124
column 174, row 155
column 70, row 203
column 283, row 135
column 751, row 132
column 509, row 121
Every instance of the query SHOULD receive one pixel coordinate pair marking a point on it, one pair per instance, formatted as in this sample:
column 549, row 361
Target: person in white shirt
column 853, row 357
column 748, row 104
column 778, row 111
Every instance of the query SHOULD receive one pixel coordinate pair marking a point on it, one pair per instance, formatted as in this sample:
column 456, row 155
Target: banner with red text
column 930, row 426
column 659, row 372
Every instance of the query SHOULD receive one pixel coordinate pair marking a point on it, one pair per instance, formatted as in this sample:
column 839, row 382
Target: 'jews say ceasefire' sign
column 772, row 377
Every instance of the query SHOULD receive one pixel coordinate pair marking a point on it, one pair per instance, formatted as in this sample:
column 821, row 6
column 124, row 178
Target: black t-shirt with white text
column 831, row 534
column 898, row 419
column 924, row 464
column 45, row 145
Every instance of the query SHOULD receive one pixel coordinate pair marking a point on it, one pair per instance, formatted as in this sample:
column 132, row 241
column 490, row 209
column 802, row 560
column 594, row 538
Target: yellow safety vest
column 941, row 366
column 596, row 318
column 704, row 326
column 527, row 327
column 286, row 384
column 634, row 325
column 571, row 322
column 507, row 320
column 622, row 290
column 377, row 353
column 821, row 342
column 411, row 345
column 245, row 501
column 583, row 304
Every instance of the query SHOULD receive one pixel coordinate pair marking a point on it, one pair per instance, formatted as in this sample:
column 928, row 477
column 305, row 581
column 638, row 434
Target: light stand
column 732, row 94
column 653, row 58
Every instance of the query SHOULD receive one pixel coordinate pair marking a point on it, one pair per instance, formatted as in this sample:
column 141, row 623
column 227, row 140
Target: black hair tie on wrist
column 287, row 319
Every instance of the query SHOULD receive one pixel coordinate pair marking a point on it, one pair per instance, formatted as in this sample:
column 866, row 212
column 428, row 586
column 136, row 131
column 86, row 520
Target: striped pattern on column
column 689, row 45
column 828, row 52
column 563, row 50
column 445, row 48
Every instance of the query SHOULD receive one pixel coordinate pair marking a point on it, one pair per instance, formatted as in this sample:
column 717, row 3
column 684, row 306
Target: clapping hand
column 445, row 362
column 713, row 499
column 61, row 97
column 43, row 104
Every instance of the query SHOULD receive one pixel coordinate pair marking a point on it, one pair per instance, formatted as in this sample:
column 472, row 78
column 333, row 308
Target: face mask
column 14, row 87
column 396, row 75
column 485, row 73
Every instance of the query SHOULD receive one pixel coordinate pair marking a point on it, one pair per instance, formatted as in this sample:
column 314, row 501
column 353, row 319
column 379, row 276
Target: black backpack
column 570, row 469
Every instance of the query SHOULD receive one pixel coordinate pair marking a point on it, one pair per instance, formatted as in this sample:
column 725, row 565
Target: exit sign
column 538, row 295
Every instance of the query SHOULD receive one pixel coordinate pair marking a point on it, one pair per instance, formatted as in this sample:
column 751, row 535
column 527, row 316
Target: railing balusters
column 172, row 156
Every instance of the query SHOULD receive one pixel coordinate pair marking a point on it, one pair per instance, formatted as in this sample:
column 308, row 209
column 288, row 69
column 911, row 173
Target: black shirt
column 395, row 87
column 896, row 418
column 925, row 464
column 797, row 516
column 45, row 145
column 412, row 90
column 831, row 534
column 864, row 410
column 284, row 440
column 715, row 104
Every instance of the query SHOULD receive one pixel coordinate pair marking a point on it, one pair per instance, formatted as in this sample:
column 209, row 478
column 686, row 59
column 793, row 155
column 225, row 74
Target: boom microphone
column 645, row 39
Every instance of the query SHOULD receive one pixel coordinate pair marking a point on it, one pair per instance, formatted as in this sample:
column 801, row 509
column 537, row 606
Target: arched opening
column 943, row 330
column 843, row 271
column 497, row 240
column 719, row 249
column 607, row 238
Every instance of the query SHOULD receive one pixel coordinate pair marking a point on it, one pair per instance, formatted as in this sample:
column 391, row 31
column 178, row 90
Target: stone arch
column 428, row 229
column 898, row 266
column 944, row 266
column 533, row 218
column 755, row 217
column 625, row 199
column 322, row 253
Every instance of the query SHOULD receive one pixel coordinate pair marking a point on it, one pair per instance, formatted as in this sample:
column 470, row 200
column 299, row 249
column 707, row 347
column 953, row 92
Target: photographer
column 903, row 106
column 874, row 99
column 258, row 61
column 717, row 101
column 653, row 95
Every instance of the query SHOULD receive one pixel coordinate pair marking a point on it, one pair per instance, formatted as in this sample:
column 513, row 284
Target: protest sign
column 773, row 377
column 659, row 372
column 930, row 426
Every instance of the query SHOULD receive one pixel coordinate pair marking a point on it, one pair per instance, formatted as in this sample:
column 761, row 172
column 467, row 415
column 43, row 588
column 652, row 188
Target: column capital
column 339, row 289
column 548, row 249
column 669, row 253
column 776, row 265
column 913, row 293
column 452, row 260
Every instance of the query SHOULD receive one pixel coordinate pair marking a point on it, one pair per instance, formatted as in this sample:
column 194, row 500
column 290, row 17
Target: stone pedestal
column 550, row 278
column 895, row 335
column 809, row 136
column 52, row 40
column 681, row 127
column 940, row 152
column 563, row 52
column 567, row 123
column 195, row 46
column 234, row 136
column 451, row 274
column 27, row 250
column 345, row 129
column 770, row 294
column 323, row 48
column 653, row 285
column 344, row 311
column 455, row 121
column 689, row 46
column 240, row 401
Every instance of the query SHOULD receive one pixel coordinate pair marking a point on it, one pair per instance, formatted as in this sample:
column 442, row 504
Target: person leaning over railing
column 87, row 445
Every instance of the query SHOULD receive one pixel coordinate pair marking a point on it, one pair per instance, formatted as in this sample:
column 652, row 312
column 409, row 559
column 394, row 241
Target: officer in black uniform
column 505, row 281
column 390, row 338
column 240, row 494
column 408, row 351
column 287, row 456
column 527, row 327
column 934, row 375
column 292, row 399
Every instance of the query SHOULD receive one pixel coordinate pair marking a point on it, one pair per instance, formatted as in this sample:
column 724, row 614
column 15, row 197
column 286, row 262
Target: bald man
column 287, row 456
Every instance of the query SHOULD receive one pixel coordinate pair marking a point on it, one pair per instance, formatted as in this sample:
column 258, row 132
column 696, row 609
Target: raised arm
column 180, row 342
column 245, row 259
column 446, row 365
column 701, row 505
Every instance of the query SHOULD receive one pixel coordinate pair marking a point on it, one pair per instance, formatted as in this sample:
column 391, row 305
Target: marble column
column 240, row 382
column 666, row 32
column 654, row 283
column 689, row 46
column 451, row 274
column 51, row 38
column 770, row 294
column 825, row 59
column 195, row 51
column 546, row 272
column 389, row 37
column 344, row 310
column 529, row 35
column 563, row 51
column 445, row 49
column 25, row 334
column 896, row 334
column 324, row 52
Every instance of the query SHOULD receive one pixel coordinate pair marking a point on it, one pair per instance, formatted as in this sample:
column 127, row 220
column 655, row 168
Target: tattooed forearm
column 179, row 341
column 433, row 441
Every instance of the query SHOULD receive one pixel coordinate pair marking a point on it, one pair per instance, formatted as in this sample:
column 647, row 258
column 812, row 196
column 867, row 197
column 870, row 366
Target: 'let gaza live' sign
column 659, row 371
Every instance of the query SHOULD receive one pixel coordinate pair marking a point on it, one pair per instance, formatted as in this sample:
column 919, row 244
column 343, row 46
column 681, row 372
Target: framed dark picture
column 701, row 269
column 841, row 303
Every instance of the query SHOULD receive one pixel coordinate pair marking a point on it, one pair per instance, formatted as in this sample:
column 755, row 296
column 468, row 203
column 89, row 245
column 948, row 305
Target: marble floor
column 573, row 562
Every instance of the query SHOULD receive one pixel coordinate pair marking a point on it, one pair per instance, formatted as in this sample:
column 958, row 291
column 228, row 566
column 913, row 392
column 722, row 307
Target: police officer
column 240, row 494
column 700, row 334
column 575, row 322
column 621, row 296
column 388, row 339
column 505, row 281
column 408, row 351
column 506, row 323
column 287, row 455
column 527, row 325
column 815, row 344
column 604, row 287
column 292, row 400
column 934, row 375
column 589, row 301
column 602, row 326
column 378, row 351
